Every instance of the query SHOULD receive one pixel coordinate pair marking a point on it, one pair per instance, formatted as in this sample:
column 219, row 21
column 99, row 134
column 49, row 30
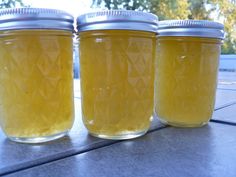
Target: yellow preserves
column 117, row 78
column 186, row 79
column 36, row 83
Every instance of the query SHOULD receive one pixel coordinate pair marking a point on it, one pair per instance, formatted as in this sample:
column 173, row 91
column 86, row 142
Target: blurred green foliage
column 217, row 10
column 11, row 3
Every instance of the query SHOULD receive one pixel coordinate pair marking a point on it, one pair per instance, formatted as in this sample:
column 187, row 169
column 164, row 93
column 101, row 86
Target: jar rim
column 117, row 19
column 194, row 28
column 35, row 18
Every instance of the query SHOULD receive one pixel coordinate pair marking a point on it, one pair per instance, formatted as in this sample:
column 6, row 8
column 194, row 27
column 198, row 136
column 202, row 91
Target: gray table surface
column 16, row 156
column 228, row 114
column 168, row 152
column 164, row 151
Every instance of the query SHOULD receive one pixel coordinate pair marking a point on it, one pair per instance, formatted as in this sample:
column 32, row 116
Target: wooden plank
column 225, row 98
column 16, row 156
column 169, row 152
column 227, row 114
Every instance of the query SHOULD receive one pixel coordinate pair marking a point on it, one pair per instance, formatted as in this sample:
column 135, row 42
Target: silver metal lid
column 35, row 18
column 117, row 19
column 194, row 28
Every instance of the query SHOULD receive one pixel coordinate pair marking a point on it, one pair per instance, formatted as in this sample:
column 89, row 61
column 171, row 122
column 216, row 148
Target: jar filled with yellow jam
column 36, row 75
column 186, row 70
column 117, row 51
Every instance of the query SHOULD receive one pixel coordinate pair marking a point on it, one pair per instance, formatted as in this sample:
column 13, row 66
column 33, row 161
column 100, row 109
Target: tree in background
column 11, row 3
column 122, row 4
column 165, row 9
column 200, row 9
column 227, row 13
column 170, row 9
column 218, row 10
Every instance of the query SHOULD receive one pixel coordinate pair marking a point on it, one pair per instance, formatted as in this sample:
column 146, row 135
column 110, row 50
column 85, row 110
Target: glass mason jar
column 36, row 75
column 117, row 51
column 186, row 72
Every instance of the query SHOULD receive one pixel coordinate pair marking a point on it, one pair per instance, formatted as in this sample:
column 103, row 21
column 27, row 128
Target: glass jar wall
column 36, row 80
column 117, row 75
column 117, row 78
column 186, row 71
